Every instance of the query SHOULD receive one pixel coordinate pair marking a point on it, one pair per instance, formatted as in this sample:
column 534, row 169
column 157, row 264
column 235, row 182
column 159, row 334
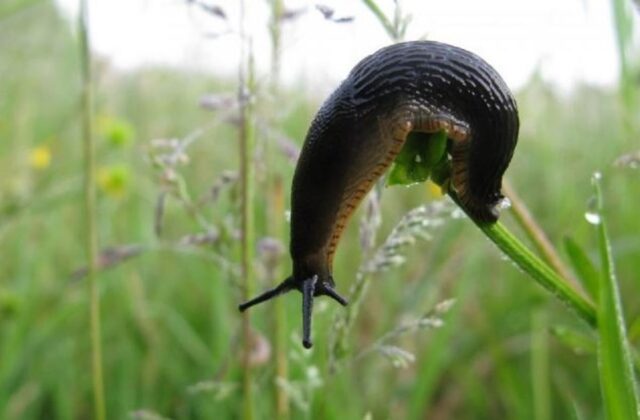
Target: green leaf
column 419, row 156
column 577, row 341
column 634, row 330
column 614, row 356
column 583, row 266
column 526, row 260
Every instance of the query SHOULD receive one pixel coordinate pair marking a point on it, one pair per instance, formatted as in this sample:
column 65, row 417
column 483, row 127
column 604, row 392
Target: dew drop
column 596, row 177
column 504, row 204
column 592, row 217
column 458, row 214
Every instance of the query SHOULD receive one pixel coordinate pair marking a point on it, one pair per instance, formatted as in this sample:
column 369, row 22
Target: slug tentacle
column 280, row 289
column 308, row 288
column 420, row 86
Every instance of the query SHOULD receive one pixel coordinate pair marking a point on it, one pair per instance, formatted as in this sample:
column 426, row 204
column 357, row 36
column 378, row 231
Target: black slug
column 420, row 86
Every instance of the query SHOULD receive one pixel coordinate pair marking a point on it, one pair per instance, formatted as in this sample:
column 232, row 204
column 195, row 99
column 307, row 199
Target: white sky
column 568, row 40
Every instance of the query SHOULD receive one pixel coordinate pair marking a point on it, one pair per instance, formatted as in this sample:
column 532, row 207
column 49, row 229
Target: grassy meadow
column 446, row 326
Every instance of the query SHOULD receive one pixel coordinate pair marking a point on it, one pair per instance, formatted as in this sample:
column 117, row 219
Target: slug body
column 419, row 86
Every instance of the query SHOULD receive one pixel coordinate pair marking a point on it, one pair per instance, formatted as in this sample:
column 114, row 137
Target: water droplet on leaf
column 592, row 214
column 504, row 204
column 592, row 217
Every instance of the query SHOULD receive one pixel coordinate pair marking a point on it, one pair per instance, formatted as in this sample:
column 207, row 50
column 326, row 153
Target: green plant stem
column 536, row 235
column 622, row 11
column 275, row 213
column 615, row 365
column 277, row 10
column 246, row 135
column 90, row 214
column 276, row 195
column 344, row 321
column 517, row 252
column 386, row 23
column 540, row 366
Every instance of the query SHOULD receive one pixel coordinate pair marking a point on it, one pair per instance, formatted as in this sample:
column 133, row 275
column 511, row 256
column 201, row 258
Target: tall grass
column 617, row 376
column 276, row 208
column 171, row 330
column 91, row 213
column 623, row 17
column 246, row 150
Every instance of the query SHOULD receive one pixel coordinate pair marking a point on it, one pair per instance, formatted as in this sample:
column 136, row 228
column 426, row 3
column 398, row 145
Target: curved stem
column 537, row 236
column 526, row 260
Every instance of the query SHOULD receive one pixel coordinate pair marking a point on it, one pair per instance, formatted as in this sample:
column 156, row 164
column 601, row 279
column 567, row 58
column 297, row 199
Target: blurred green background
column 171, row 331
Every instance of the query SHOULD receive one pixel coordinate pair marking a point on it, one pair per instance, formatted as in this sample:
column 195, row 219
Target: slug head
column 310, row 288
column 486, row 210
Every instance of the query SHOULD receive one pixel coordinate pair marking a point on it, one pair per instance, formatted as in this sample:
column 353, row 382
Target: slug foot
column 309, row 288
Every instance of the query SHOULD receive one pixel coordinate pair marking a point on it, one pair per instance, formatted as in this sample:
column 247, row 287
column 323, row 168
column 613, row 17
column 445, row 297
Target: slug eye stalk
column 309, row 288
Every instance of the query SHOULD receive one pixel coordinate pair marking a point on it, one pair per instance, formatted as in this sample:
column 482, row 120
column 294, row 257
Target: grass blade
column 578, row 341
column 382, row 18
column 246, row 143
column 624, row 30
column 614, row 357
column 583, row 266
column 538, row 270
column 540, row 372
column 91, row 214
column 535, row 233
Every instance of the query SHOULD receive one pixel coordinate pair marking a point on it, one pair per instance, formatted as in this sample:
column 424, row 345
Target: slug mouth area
column 484, row 213
column 310, row 288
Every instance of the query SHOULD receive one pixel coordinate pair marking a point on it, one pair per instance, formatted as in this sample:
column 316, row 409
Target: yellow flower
column 433, row 189
column 114, row 180
column 40, row 157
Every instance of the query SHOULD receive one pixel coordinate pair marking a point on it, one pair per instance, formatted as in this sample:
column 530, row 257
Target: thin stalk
column 536, row 235
column 246, row 140
column 344, row 321
column 540, row 366
column 90, row 213
column 275, row 213
column 277, row 11
column 617, row 379
column 622, row 12
column 527, row 261
column 280, row 322
column 390, row 28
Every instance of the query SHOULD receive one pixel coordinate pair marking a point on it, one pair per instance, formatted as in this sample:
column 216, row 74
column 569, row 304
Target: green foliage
column 420, row 156
column 396, row 27
column 578, row 341
column 170, row 322
column 583, row 266
column 629, row 65
column 617, row 377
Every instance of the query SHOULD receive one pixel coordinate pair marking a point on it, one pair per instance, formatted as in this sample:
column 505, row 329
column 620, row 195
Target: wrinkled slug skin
column 417, row 86
column 361, row 127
